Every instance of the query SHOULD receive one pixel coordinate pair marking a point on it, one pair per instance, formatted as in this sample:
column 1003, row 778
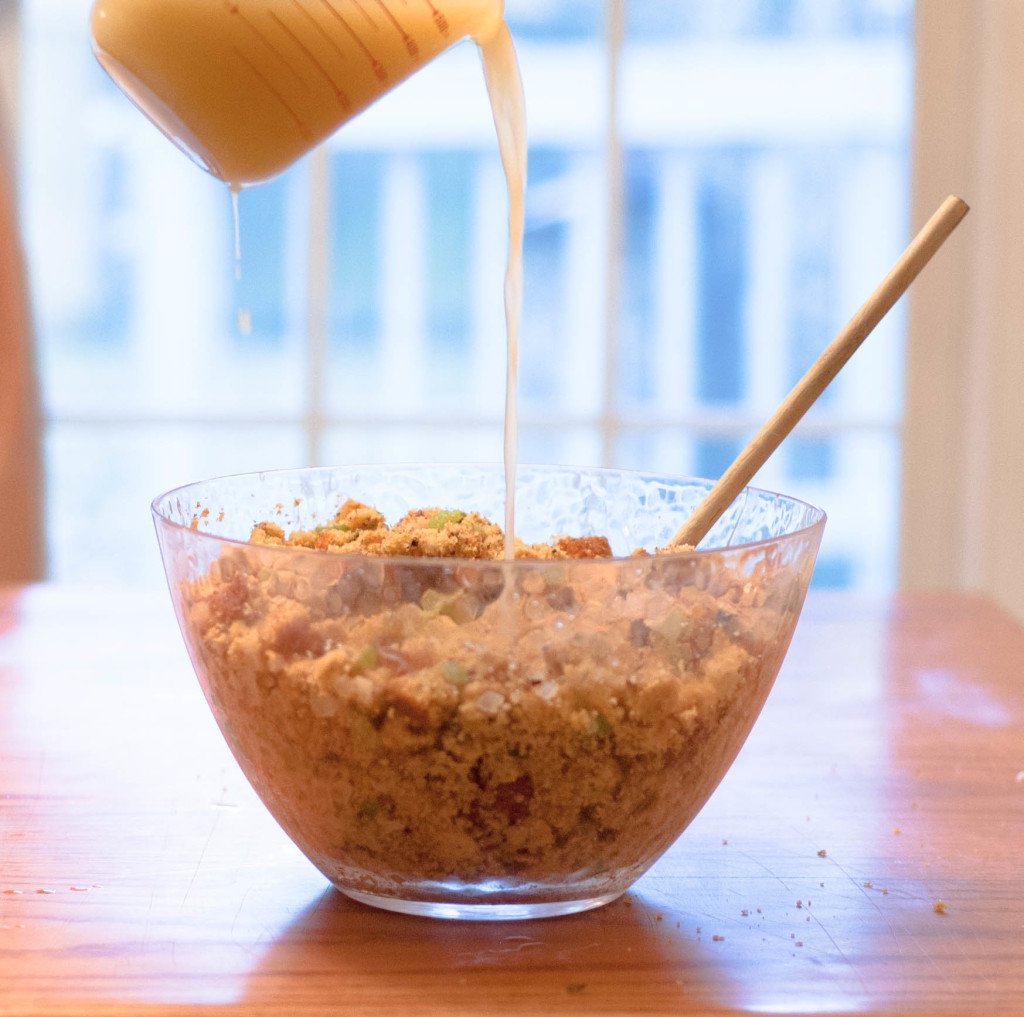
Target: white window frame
column 963, row 485
column 963, row 420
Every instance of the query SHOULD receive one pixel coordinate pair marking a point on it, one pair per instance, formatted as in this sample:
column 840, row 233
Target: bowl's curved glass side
column 764, row 515
column 487, row 733
column 763, row 596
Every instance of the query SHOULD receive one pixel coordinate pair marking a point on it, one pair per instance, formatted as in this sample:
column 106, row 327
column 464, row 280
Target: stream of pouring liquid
column 505, row 88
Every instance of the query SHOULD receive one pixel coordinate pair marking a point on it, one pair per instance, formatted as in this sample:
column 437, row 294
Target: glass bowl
column 485, row 739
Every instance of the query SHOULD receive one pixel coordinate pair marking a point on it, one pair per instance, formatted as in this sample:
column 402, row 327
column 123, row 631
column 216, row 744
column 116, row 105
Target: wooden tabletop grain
column 865, row 854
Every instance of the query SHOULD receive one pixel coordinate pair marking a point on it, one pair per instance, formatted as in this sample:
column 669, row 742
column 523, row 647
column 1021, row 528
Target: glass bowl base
column 481, row 912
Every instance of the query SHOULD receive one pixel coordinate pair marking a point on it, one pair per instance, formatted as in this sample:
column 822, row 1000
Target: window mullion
column 614, row 204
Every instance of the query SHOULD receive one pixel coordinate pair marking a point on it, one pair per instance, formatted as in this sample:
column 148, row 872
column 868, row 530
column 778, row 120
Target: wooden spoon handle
column 920, row 251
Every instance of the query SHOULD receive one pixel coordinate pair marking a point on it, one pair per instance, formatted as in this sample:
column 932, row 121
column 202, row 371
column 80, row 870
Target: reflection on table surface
column 882, row 787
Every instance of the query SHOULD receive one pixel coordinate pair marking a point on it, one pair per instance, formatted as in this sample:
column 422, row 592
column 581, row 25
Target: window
column 762, row 152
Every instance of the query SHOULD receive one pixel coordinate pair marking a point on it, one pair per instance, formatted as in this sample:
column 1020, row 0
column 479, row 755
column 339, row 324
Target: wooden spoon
column 920, row 251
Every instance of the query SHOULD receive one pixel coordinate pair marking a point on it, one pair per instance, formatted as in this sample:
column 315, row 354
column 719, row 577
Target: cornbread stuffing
column 425, row 533
column 440, row 727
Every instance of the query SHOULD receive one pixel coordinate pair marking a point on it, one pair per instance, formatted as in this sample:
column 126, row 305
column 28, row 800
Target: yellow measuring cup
column 248, row 86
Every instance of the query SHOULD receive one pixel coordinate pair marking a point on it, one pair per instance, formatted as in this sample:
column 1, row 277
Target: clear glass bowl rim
column 817, row 516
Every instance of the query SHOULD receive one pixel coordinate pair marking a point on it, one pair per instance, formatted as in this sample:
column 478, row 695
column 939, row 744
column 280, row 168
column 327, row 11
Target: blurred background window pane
column 764, row 171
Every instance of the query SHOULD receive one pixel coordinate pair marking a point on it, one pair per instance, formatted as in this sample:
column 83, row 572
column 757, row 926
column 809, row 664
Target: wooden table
column 139, row 874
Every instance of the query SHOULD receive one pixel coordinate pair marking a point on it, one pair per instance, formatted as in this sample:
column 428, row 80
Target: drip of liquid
column 236, row 220
column 243, row 316
column 244, row 321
